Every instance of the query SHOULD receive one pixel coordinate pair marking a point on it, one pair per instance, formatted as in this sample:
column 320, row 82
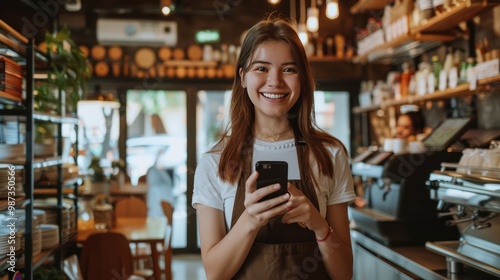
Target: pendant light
column 332, row 9
column 274, row 2
column 302, row 26
column 166, row 7
column 312, row 17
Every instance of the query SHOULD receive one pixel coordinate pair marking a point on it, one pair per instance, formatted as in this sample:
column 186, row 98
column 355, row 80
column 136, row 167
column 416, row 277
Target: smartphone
column 272, row 172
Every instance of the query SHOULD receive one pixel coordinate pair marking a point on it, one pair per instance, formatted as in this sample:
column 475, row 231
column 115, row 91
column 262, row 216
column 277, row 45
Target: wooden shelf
column 489, row 80
column 369, row 5
column 427, row 36
column 359, row 110
column 4, row 203
column 444, row 22
column 460, row 90
column 327, row 58
column 190, row 63
column 37, row 162
column 409, row 45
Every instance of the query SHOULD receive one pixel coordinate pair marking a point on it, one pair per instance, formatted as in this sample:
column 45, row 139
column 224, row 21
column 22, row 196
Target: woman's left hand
column 302, row 211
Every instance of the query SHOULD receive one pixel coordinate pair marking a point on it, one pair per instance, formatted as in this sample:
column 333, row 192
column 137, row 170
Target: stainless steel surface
column 414, row 259
column 414, row 262
column 368, row 170
column 488, row 262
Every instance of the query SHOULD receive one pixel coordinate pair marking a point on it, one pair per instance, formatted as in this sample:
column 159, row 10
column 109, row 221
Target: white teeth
column 273, row 96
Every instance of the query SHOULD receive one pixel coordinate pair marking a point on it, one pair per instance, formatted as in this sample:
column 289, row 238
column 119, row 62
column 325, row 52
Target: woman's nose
column 274, row 78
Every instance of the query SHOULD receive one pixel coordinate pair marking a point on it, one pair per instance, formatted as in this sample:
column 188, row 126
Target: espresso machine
column 399, row 210
column 473, row 201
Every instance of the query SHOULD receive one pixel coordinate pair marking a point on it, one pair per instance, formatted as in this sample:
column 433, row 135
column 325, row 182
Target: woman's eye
column 260, row 69
column 290, row 70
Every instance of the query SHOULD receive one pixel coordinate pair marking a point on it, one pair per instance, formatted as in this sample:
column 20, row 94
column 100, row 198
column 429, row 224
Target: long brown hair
column 238, row 135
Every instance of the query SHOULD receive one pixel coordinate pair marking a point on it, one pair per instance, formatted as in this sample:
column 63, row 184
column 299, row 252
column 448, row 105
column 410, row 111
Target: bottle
column 371, row 26
column 438, row 6
column 426, row 8
column 470, row 68
column 449, row 61
column 436, row 68
column 421, row 78
column 86, row 214
column 404, row 79
column 463, row 72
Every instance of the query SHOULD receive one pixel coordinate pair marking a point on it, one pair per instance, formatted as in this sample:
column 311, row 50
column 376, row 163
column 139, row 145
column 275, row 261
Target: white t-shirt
column 211, row 191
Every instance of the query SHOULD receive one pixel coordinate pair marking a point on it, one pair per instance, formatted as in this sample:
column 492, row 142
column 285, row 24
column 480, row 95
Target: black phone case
column 272, row 172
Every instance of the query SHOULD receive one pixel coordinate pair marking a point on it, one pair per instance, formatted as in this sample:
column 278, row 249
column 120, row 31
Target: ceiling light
column 166, row 7
column 165, row 10
column 303, row 34
column 332, row 9
column 312, row 19
column 274, row 2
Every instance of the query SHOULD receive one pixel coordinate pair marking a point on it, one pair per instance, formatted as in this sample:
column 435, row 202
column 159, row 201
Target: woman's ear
column 242, row 77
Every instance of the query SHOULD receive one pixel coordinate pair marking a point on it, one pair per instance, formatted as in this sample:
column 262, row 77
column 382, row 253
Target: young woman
column 409, row 125
column 303, row 234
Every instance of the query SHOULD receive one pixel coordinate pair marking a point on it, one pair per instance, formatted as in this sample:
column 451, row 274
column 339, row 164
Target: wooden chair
column 107, row 256
column 131, row 207
column 167, row 250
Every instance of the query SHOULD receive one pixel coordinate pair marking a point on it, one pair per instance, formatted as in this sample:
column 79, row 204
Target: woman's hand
column 261, row 212
column 302, row 211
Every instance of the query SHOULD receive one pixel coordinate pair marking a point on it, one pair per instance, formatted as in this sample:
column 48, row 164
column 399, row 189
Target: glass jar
column 86, row 214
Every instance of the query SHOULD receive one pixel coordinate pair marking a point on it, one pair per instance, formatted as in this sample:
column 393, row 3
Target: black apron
column 281, row 251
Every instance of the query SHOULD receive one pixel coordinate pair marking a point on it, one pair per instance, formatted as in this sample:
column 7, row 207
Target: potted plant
column 68, row 73
column 99, row 178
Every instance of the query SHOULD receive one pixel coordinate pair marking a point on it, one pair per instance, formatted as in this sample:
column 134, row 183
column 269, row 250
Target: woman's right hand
column 261, row 212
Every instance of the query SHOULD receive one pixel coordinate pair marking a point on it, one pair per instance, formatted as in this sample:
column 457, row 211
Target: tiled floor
column 187, row 267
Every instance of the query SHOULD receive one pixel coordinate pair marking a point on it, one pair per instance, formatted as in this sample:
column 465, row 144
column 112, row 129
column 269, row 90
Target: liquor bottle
column 436, row 68
column 404, row 80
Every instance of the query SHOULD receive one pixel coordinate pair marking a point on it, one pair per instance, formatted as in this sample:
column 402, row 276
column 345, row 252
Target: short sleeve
column 207, row 183
column 342, row 189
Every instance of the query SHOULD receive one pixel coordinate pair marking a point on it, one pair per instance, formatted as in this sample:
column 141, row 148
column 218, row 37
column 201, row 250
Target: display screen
column 446, row 133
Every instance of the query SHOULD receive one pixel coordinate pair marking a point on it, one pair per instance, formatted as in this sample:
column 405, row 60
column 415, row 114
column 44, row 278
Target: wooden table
column 150, row 230
column 127, row 189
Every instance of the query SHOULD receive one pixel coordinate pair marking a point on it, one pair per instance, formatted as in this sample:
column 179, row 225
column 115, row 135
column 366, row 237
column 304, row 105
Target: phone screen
column 272, row 172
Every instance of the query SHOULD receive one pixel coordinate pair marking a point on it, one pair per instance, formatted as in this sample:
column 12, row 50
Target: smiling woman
column 271, row 118
column 272, row 83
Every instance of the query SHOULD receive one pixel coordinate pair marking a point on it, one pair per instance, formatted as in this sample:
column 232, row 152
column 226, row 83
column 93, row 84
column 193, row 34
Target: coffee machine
column 473, row 201
column 399, row 210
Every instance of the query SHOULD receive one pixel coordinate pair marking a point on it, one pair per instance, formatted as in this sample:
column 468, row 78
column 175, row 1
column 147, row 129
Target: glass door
column 157, row 152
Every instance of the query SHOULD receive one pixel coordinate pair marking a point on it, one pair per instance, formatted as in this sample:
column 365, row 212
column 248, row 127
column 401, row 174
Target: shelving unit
column 427, row 36
column 369, row 5
column 444, row 22
column 460, row 90
column 24, row 52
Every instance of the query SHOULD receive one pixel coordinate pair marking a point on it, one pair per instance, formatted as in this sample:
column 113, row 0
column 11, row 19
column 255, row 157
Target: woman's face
column 404, row 127
column 272, row 80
